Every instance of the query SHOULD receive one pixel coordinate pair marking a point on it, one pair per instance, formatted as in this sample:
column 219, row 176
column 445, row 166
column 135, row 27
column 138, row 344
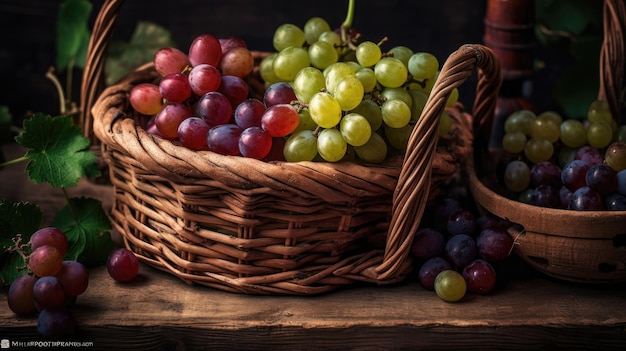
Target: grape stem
column 347, row 23
column 50, row 75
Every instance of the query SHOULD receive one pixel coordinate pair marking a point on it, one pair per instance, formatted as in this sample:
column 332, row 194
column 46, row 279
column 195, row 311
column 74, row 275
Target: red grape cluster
column 202, row 101
column 52, row 287
column 457, row 250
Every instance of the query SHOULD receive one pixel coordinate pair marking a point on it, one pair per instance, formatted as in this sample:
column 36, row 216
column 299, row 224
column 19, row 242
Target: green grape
column 604, row 116
column 367, row 78
column 374, row 151
column 266, row 69
column 423, row 65
column 538, row 150
column 573, row 133
column 396, row 113
column 453, row 97
column 390, row 72
column 306, row 122
column 526, row 196
column 397, row 93
column 566, row 155
column 355, row 65
column 418, row 98
column 445, row 124
column 450, row 285
column 368, row 53
column 402, row 53
column 308, row 82
column 349, row 93
column 599, row 134
column 555, row 117
column 332, row 38
column 514, row 142
column 371, row 111
column 517, row 176
column 355, row 129
column 289, row 62
column 300, row 146
column 314, row 27
column 599, row 105
column 398, row 138
column 287, row 35
column 322, row 54
column 519, row 121
column 546, row 129
column 331, row 145
column 325, row 110
column 335, row 73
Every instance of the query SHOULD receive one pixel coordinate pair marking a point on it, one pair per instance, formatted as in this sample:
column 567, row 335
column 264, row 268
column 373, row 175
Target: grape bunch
column 355, row 100
column 566, row 163
column 458, row 249
column 53, row 286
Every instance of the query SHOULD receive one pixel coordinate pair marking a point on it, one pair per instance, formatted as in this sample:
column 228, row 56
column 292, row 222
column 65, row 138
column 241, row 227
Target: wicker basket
column 255, row 227
column 577, row 246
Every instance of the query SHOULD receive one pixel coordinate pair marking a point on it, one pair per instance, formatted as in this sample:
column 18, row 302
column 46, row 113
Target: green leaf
column 72, row 32
column 124, row 57
column 59, row 154
column 86, row 226
column 16, row 218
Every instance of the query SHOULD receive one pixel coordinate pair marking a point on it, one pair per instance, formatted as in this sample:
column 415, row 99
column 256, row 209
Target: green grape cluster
column 356, row 100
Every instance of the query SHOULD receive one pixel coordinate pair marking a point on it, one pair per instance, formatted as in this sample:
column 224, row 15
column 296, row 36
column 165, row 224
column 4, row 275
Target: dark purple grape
column 480, row 277
column 545, row 196
column 254, row 142
column 429, row 270
column 461, row 221
column 54, row 324
column 585, row 199
column 545, row 173
column 621, row 181
column 224, row 139
column 427, row 243
column 20, row 297
column 192, row 133
column 602, row 179
column 248, row 113
column 565, row 195
column 215, row 108
column 236, row 89
column 460, row 250
column 489, row 220
column 279, row 93
column 574, row 173
column 615, row 202
column 442, row 211
column 48, row 292
column 74, row 277
column 589, row 154
column 494, row 244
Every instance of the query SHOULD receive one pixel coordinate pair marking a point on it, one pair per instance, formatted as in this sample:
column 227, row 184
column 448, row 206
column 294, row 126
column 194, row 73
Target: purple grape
column 192, row 133
column 601, row 178
column 589, row 154
column 442, row 211
column 545, row 196
column 565, row 195
column 621, row 181
column 279, row 93
column 585, row 199
column 48, row 292
column 427, row 243
column 224, row 139
column 615, row 202
column 214, row 107
column 494, row 245
column 429, row 270
column 489, row 220
column 249, row 112
column 461, row 250
column 56, row 324
column 545, row 173
column 461, row 221
column 236, row 89
column 574, row 173
column 480, row 277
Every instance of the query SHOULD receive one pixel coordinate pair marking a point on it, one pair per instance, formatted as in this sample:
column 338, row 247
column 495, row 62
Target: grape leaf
column 73, row 32
column 16, row 218
column 59, row 154
column 86, row 226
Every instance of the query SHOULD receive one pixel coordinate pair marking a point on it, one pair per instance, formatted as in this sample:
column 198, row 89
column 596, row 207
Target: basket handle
column 411, row 193
column 93, row 83
column 613, row 57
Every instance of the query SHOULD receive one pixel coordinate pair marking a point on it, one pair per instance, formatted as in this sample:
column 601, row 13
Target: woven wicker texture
column 578, row 246
column 249, row 226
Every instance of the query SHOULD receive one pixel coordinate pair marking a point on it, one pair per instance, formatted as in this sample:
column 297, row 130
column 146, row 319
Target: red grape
column 277, row 151
column 224, row 139
column 45, row 261
column 20, row 297
column 480, row 277
column 279, row 93
column 122, row 265
column 204, row 78
column 589, row 154
column 574, row 173
column 214, row 108
column 601, row 178
column 170, row 117
column 146, row 98
column 170, row 60
column 237, row 62
column 175, row 88
column 74, row 277
column 249, row 113
column 254, row 142
column 236, row 89
column 205, row 48
column 50, row 236
column 48, row 292
column 494, row 244
column 192, row 133
column 280, row 120
column 231, row 42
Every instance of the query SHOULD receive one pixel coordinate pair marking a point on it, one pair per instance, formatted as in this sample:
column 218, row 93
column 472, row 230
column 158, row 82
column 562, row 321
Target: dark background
column 27, row 32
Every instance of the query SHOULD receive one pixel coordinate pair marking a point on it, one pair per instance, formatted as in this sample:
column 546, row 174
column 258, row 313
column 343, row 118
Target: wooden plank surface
column 160, row 312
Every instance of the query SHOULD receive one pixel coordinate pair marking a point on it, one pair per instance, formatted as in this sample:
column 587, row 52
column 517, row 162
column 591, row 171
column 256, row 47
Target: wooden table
column 160, row 312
